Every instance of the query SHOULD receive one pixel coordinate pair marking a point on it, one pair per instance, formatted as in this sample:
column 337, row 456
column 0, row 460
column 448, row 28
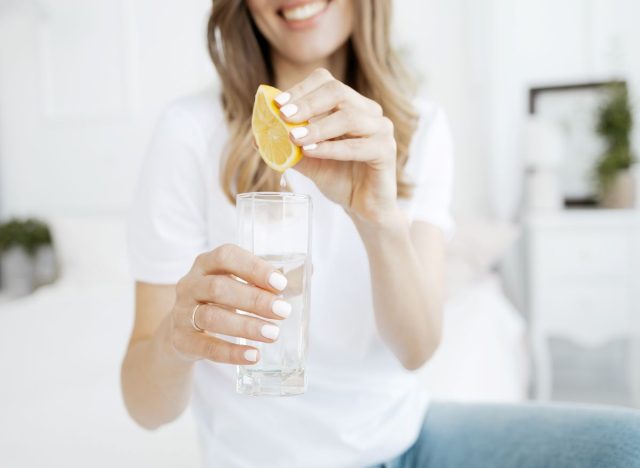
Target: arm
column 351, row 154
column 156, row 381
column 407, row 265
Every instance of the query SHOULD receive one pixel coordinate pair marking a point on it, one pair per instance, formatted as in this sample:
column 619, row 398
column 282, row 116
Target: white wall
column 81, row 84
column 442, row 42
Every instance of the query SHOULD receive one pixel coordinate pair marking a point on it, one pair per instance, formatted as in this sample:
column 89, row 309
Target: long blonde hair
column 241, row 56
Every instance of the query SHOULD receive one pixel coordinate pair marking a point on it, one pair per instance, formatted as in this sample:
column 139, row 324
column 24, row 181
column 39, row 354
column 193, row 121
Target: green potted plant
column 25, row 254
column 616, row 185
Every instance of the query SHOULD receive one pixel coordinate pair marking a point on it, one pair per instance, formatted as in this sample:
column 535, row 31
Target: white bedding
column 61, row 406
column 60, row 353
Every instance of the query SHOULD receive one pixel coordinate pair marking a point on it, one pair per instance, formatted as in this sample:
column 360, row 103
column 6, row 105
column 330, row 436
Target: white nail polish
column 277, row 280
column 270, row 331
column 289, row 110
column 282, row 98
column 281, row 308
column 251, row 355
column 309, row 147
column 299, row 132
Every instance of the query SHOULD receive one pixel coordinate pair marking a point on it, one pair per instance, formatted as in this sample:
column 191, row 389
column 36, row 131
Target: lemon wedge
column 272, row 132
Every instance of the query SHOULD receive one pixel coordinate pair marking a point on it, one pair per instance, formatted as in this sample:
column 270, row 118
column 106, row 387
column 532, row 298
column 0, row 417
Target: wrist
column 165, row 351
column 388, row 218
column 385, row 225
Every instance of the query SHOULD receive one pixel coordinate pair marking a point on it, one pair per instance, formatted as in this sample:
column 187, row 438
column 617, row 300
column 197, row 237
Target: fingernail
column 251, row 355
column 281, row 308
column 282, row 98
column 299, row 132
column 310, row 146
column 289, row 110
column 270, row 331
column 277, row 280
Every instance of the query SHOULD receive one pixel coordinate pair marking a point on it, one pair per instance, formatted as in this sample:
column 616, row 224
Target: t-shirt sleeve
column 166, row 222
column 430, row 167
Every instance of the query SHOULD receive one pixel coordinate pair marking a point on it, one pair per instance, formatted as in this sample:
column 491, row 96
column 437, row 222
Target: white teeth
column 304, row 12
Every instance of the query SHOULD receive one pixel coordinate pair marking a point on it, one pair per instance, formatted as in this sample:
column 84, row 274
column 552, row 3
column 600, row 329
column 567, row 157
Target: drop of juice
column 283, row 182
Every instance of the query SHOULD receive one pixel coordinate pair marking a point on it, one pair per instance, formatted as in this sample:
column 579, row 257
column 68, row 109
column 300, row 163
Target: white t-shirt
column 361, row 407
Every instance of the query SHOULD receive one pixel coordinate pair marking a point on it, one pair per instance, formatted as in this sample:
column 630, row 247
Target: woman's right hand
column 210, row 287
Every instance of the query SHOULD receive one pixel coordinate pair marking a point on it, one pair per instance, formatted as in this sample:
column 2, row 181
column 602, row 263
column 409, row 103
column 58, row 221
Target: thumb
column 307, row 167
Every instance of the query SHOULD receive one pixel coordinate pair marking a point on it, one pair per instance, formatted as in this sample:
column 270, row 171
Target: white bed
column 60, row 353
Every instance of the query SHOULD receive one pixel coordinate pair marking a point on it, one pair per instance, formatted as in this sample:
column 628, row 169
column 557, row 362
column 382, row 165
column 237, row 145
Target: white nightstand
column 583, row 284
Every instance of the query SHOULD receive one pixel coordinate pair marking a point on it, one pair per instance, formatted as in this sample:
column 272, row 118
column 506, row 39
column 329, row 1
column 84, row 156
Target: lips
column 303, row 11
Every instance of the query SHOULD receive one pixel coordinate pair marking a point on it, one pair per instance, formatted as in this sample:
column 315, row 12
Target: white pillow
column 483, row 355
column 477, row 246
column 91, row 248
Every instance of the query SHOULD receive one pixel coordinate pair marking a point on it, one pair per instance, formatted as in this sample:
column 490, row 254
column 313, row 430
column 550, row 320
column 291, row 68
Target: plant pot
column 46, row 267
column 621, row 193
column 17, row 272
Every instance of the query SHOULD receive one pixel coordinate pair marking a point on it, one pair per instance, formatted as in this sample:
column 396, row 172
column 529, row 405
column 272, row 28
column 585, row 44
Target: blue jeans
column 524, row 436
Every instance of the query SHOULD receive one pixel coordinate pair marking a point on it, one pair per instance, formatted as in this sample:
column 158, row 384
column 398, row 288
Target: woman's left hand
column 349, row 146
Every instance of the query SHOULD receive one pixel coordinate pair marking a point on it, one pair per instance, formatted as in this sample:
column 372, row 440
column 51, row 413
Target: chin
column 314, row 51
column 304, row 31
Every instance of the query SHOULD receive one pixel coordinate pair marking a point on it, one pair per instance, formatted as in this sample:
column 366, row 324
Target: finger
column 217, row 319
column 318, row 77
column 350, row 149
column 226, row 291
column 329, row 96
column 232, row 259
column 347, row 121
column 215, row 349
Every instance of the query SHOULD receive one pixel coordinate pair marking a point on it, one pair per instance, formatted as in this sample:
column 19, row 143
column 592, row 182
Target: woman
column 379, row 171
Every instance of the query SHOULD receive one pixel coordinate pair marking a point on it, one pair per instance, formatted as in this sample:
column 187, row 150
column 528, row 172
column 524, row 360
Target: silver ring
column 193, row 318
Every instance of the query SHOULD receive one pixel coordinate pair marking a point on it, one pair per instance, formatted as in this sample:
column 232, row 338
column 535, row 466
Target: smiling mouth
column 303, row 12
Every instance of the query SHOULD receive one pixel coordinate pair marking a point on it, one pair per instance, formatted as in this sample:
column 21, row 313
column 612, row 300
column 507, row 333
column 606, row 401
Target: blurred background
column 543, row 272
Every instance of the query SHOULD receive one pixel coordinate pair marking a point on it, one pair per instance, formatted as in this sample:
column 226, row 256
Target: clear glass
column 277, row 227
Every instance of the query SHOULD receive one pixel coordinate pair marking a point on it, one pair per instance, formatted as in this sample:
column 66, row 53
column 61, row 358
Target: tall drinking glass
column 277, row 227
